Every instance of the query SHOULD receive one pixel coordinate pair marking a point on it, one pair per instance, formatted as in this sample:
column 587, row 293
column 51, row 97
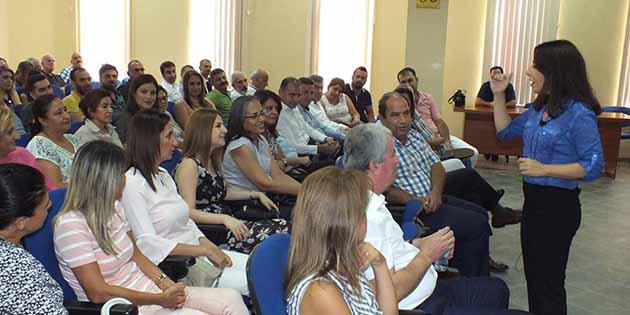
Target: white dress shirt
column 292, row 127
column 234, row 94
column 387, row 237
column 320, row 114
column 174, row 91
column 251, row 90
column 159, row 219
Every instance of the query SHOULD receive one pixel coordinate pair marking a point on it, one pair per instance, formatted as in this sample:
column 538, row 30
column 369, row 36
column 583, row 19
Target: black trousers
column 467, row 184
column 551, row 216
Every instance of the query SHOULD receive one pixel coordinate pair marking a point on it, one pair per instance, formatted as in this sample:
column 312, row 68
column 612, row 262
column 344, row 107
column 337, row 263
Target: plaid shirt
column 414, row 170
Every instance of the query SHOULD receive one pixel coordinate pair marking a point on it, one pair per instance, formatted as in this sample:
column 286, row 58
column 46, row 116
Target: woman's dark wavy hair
column 90, row 101
column 235, row 127
column 143, row 143
column 40, row 108
column 22, row 189
column 265, row 95
column 132, row 105
column 565, row 77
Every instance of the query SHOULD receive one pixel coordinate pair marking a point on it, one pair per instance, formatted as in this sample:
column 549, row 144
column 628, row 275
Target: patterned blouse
column 25, row 286
column 44, row 149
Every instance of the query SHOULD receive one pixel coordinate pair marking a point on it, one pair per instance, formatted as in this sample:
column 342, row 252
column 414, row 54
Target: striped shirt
column 363, row 304
column 414, row 170
column 76, row 246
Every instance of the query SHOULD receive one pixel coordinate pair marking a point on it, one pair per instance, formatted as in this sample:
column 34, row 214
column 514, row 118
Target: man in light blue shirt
column 305, row 100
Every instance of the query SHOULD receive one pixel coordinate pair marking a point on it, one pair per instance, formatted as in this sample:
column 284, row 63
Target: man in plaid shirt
column 420, row 175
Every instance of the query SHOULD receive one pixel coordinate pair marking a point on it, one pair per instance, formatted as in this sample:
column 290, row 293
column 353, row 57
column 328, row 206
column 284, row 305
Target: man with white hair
column 76, row 61
column 259, row 81
column 239, row 85
column 48, row 67
column 370, row 148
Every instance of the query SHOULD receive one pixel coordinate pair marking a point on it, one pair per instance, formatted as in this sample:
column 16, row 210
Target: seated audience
column 259, row 81
column 25, row 286
column 291, row 126
column 169, row 82
column 370, row 148
column 48, row 68
column 9, row 152
column 201, row 184
column 205, row 68
column 76, row 61
column 219, row 95
column 162, row 98
column 82, row 83
column 339, row 106
column 36, row 86
column 98, row 256
column 239, row 85
column 194, row 97
column 9, row 97
column 485, row 97
column 305, row 101
column 247, row 162
column 281, row 150
column 134, row 70
column 160, row 218
column 360, row 97
column 430, row 113
column 142, row 98
column 96, row 106
column 51, row 146
column 420, row 175
column 328, row 253
column 108, row 77
column 37, row 65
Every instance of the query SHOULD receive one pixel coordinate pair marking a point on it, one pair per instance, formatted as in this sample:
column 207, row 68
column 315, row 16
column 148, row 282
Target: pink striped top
column 76, row 246
column 429, row 111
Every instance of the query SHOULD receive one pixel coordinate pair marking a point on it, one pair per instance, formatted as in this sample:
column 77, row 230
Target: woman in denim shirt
column 561, row 146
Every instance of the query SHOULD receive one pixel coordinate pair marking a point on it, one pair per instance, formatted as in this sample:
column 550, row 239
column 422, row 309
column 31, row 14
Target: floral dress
column 211, row 191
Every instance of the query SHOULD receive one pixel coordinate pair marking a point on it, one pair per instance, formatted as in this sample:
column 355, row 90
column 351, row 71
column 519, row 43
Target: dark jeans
column 551, row 216
column 467, row 184
column 469, row 222
column 463, row 296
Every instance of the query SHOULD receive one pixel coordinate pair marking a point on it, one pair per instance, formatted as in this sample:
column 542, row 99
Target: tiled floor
column 598, row 275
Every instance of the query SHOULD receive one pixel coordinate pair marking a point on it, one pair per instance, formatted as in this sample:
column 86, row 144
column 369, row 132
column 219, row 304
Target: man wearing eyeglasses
column 134, row 70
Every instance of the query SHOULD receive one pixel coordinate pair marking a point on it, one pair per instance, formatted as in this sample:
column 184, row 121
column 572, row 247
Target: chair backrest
column 339, row 162
column 18, row 109
column 172, row 163
column 169, row 109
column 265, row 275
column 412, row 208
column 23, row 141
column 68, row 89
column 40, row 244
column 616, row 109
column 57, row 91
column 74, row 126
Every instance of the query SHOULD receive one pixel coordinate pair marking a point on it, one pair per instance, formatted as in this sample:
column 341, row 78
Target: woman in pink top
column 98, row 255
column 9, row 153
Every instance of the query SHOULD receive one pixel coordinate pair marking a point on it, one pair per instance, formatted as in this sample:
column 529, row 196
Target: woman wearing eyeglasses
column 247, row 162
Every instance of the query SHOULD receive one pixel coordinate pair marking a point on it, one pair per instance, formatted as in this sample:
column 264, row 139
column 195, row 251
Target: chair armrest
column 216, row 233
column 87, row 308
column 176, row 267
column 412, row 312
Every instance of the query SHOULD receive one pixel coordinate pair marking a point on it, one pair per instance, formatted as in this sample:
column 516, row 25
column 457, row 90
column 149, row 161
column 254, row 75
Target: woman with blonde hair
column 98, row 255
column 9, row 97
column 201, row 184
column 327, row 255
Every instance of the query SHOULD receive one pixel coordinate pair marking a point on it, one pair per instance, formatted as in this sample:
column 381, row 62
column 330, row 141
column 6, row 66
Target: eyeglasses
column 256, row 115
column 137, row 69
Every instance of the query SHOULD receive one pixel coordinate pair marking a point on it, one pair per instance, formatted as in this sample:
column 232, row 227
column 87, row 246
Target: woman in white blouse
column 160, row 218
column 339, row 106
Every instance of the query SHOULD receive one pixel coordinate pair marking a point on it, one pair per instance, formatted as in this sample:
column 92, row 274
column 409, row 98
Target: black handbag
column 251, row 210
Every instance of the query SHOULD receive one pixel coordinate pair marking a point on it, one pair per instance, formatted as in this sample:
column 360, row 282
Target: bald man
column 76, row 61
column 48, row 67
column 260, row 80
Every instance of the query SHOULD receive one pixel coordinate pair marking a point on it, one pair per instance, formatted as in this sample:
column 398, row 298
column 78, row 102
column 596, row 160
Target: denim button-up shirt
column 572, row 137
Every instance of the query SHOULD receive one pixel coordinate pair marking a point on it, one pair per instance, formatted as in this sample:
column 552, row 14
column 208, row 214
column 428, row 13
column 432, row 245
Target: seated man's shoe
column 505, row 216
column 497, row 266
